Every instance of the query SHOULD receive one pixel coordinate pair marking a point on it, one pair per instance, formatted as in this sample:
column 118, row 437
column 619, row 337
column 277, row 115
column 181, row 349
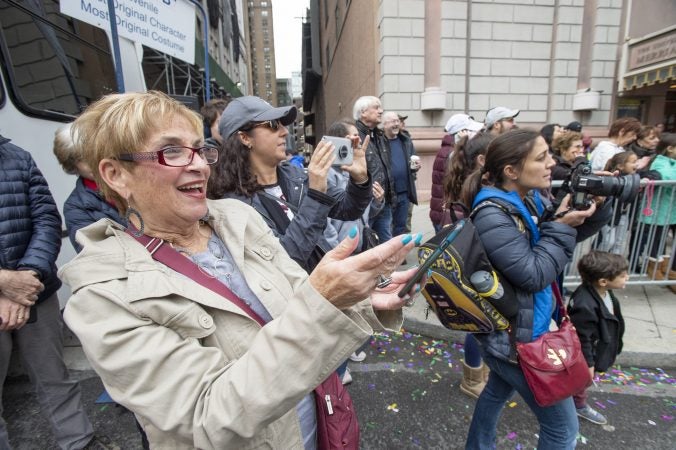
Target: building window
column 264, row 13
column 39, row 83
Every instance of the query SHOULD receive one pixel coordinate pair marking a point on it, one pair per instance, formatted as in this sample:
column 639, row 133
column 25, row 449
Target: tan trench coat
column 194, row 368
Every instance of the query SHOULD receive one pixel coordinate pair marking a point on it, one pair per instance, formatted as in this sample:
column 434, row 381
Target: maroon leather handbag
column 337, row 424
column 553, row 364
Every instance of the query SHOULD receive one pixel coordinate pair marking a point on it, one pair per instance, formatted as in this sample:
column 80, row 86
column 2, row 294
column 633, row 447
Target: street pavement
column 407, row 397
column 406, row 391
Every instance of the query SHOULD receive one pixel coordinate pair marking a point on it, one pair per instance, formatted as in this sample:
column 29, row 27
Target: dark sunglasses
column 273, row 124
column 174, row 156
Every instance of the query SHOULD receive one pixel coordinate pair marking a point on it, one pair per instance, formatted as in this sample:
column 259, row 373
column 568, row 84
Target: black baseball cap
column 574, row 126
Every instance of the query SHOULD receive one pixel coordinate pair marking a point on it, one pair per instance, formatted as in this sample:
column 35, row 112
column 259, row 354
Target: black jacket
column 84, row 207
column 378, row 160
column 600, row 332
column 306, row 230
column 409, row 150
column 642, row 152
column 562, row 169
column 30, row 224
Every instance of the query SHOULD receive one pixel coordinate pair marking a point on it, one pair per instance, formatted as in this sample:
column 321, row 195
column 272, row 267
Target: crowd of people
column 218, row 282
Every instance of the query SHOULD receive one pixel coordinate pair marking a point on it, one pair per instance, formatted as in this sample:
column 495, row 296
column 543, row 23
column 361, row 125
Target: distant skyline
column 287, row 16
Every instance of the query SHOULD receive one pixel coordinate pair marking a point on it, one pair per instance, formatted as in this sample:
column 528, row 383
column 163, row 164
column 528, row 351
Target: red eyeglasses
column 174, row 156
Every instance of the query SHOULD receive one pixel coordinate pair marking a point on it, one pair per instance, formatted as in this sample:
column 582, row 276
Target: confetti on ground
column 429, row 358
column 637, row 378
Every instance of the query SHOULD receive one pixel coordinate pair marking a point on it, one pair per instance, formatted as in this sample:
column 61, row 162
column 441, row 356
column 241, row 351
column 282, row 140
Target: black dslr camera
column 582, row 184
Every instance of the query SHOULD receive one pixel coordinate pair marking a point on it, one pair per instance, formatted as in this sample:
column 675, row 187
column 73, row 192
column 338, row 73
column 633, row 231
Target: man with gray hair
column 367, row 113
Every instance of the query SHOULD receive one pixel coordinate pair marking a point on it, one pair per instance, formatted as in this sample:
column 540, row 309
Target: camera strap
column 558, row 215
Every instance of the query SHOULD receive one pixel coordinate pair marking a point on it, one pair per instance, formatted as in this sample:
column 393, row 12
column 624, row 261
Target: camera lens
column 630, row 185
column 624, row 188
column 343, row 152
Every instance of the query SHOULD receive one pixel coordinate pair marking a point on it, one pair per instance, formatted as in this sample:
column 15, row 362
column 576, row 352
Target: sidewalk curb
column 436, row 331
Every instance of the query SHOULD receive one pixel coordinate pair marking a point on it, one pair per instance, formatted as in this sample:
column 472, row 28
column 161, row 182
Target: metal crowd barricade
column 649, row 247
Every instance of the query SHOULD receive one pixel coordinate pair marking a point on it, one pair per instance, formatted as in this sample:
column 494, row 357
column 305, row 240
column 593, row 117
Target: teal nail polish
column 418, row 239
column 407, row 239
column 353, row 232
column 429, row 273
column 417, row 289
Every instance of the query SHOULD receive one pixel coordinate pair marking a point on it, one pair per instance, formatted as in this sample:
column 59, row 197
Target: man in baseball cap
column 500, row 119
column 574, row 126
column 244, row 110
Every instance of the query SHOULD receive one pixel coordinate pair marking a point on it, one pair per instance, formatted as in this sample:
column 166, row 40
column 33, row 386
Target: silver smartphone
column 343, row 150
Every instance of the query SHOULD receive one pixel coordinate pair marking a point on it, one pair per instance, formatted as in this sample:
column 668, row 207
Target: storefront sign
column 164, row 25
column 652, row 51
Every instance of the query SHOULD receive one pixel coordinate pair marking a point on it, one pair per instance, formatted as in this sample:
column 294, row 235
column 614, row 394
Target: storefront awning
column 650, row 77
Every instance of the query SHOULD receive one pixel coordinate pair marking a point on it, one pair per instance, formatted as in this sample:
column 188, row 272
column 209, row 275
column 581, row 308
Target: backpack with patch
column 463, row 289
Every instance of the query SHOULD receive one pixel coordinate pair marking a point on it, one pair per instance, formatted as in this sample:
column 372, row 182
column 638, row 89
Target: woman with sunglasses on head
column 195, row 318
column 294, row 203
column 529, row 254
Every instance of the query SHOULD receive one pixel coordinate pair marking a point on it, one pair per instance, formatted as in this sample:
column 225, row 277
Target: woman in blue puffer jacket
column 529, row 254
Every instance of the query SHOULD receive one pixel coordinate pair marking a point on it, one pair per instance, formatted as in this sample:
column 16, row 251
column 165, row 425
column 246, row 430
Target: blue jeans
column 382, row 223
column 400, row 214
column 558, row 423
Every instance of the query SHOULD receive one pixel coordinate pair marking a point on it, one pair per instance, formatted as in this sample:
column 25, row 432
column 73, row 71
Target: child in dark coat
column 596, row 314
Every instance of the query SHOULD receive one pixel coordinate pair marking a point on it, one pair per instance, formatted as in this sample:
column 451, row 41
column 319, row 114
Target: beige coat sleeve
column 193, row 391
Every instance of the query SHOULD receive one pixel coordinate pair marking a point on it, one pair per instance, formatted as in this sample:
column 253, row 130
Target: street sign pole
column 119, row 77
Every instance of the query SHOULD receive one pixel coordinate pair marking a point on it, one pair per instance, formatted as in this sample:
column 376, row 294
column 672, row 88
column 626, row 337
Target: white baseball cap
column 459, row 122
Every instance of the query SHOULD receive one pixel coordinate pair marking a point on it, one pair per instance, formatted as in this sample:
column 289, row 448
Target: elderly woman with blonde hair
column 197, row 368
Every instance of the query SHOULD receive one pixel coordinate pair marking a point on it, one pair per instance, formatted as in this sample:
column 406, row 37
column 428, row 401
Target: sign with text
column 164, row 25
column 652, row 51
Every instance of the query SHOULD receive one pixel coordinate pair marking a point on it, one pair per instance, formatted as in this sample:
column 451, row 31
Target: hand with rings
column 12, row 315
column 387, row 298
column 346, row 280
